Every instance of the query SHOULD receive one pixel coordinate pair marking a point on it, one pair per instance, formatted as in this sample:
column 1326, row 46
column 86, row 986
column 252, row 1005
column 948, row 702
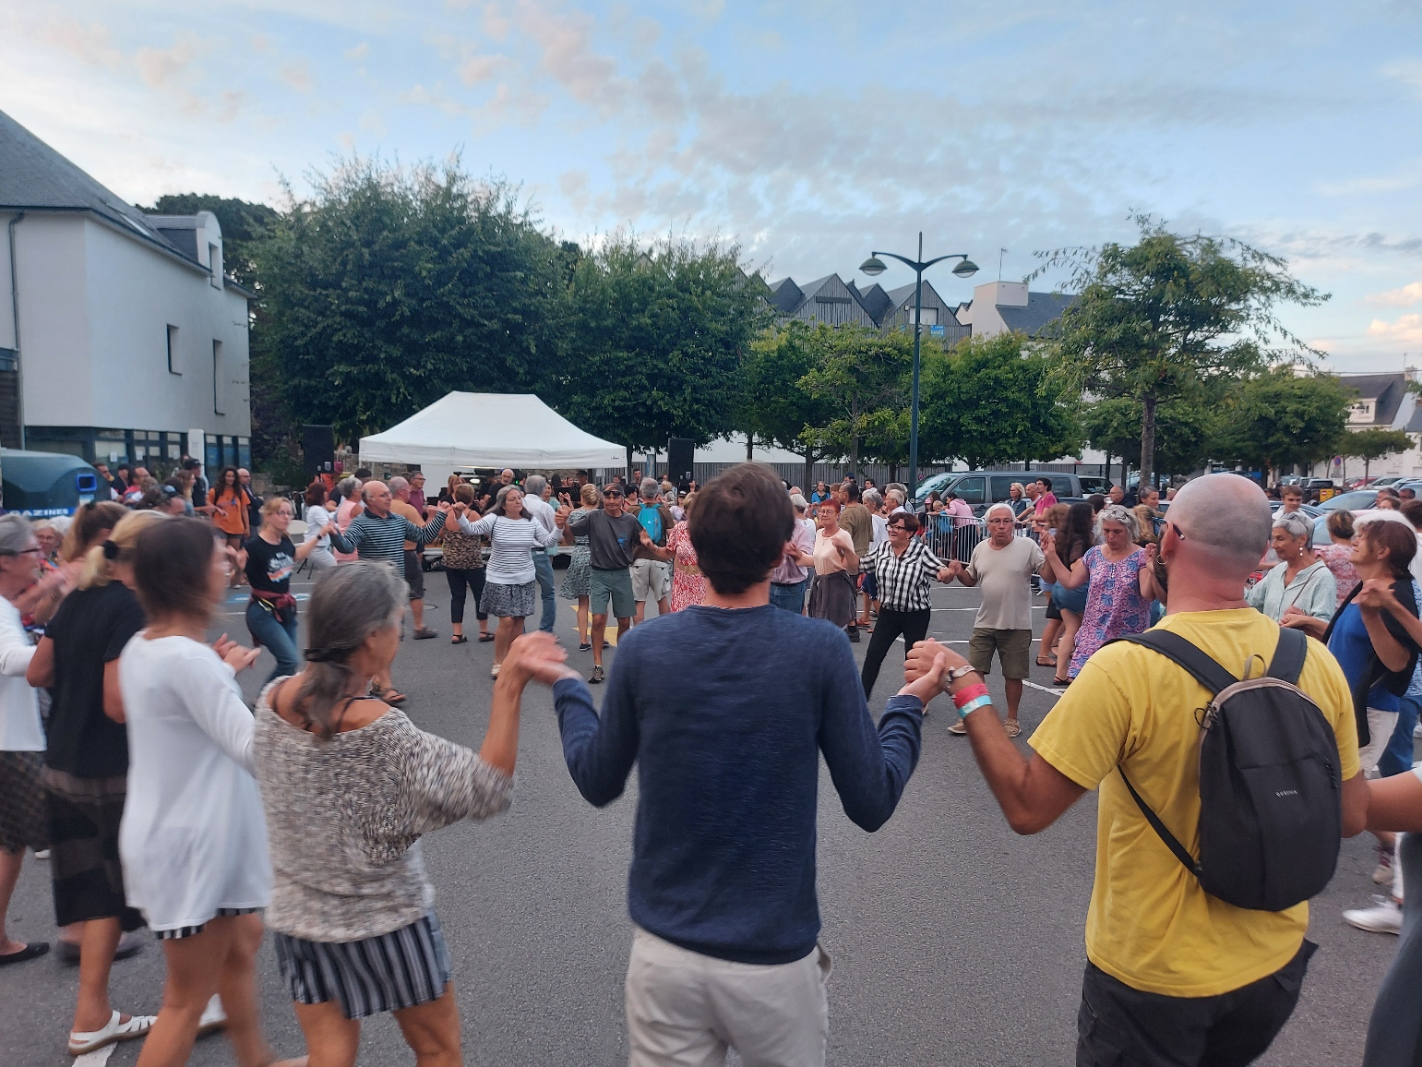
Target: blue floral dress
column 1114, row 606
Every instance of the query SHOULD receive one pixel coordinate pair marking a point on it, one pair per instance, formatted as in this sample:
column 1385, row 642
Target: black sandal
column 485, row 637
column 459, row 639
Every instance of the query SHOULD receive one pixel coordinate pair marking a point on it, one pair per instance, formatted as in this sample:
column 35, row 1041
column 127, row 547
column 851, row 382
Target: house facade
column 835, row 302
column 1384, row 402
column 999, row 307
column 120, row 336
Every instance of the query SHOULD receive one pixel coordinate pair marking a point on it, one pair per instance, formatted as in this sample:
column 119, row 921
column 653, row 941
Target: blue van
column 45, row 484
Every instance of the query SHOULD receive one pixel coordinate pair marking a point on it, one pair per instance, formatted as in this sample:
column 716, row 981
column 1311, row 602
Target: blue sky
column 807, row 132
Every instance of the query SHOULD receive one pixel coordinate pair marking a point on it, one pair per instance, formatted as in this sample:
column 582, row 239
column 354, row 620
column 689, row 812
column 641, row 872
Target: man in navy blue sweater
column 722, row 885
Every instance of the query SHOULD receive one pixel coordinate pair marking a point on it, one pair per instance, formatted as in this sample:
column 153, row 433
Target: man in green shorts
column 613, row 536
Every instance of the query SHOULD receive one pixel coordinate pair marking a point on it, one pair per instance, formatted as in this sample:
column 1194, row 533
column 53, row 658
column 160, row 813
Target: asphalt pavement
column 954, row 941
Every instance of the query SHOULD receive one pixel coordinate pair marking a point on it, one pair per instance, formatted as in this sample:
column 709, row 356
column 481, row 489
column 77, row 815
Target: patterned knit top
column 345, row 815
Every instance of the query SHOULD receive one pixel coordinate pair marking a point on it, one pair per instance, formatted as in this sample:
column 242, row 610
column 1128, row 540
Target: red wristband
column 967, row 693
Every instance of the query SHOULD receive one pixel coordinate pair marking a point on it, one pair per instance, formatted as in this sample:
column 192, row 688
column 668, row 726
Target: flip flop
column 33, row 950
column 393, row 697
column 1063, row 682
column 1046, row 662
column 459, row 639
column 485, row 637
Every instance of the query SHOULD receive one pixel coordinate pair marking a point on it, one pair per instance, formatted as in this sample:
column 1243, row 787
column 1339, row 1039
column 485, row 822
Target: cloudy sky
column 808, row 132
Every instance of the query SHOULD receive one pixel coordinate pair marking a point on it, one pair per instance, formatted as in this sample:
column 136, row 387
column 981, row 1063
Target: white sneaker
column 1382, row 873
column 81, row 1042
column 213, row 1017
column 1384, row 917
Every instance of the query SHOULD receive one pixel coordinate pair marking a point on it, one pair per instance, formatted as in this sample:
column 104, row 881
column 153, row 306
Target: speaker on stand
column 318, row 450
column 681, row 452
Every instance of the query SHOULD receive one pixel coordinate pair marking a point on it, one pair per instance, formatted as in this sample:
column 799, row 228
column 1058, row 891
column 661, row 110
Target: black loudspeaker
column 318, row 450
column 680, row 456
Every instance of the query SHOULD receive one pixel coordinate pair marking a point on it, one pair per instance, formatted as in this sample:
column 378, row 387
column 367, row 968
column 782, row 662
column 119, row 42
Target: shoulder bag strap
column 1289, row 656
column 1159, row 827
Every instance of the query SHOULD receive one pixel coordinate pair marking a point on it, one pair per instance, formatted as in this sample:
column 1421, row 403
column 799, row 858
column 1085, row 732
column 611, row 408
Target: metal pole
column 917, row 331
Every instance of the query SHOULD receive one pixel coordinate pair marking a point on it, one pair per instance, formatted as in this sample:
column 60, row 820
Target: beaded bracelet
column 969, row 692
column 973, row 705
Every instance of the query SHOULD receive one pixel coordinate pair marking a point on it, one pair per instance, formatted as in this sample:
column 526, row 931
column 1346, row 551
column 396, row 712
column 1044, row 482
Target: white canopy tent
column 463, row 430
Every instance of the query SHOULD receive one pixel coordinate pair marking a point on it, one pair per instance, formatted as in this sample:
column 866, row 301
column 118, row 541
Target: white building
column 998, row 307
column 1384, row 403
column 120, row 336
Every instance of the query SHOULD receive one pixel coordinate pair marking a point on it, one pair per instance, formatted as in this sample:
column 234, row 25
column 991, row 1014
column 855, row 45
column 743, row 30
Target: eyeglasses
column 898, row 526
column 1178, row 532
column 37, row 551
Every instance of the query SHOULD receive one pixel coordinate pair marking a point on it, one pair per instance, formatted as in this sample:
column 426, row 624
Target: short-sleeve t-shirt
column 827, row 559
column 269, row 566
column 860, row 523
column 1150, row 925
column 612, row 542
column 89, row 630
column 1004, row 576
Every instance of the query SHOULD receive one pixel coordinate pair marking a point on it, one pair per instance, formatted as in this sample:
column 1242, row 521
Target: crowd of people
column 162, row 801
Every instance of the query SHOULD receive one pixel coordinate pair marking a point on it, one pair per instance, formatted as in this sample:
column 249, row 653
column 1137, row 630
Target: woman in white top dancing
column 510, row 582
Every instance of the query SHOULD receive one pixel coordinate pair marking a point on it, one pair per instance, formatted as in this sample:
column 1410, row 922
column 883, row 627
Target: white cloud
column 1409, row 294
column 357, row 53
column 1407, row 71
column 161, row 67
column 371, row 122
column 297, row 74
column 1406, row 330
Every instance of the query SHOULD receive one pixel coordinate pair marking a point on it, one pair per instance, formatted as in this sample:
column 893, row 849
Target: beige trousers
column 686, row 1010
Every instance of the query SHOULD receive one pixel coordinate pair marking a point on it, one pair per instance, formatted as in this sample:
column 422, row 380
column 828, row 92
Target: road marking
column 97, row 1058
column 1044, row 688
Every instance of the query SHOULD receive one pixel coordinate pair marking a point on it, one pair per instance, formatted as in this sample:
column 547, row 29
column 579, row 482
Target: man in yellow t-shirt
column 1175, row 976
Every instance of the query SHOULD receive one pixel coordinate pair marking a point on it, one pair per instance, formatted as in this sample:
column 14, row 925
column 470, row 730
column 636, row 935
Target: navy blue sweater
column 725, row 713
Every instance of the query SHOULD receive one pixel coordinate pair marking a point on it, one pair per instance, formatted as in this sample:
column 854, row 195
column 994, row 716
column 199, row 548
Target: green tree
column 991, row 400
column 1279, row 419
column 1154, row 318
column 1373, row 444
column 775, row 408
column 393, row 286
column 862, row 376
column 1185, row 427
column 656, row 340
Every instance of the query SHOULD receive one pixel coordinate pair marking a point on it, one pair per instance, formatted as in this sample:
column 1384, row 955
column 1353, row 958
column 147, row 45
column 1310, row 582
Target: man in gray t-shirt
column 1003, row 565
column 613, row 536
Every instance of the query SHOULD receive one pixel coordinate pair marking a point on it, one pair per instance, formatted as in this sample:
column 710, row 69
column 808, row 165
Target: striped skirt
column 388, row 972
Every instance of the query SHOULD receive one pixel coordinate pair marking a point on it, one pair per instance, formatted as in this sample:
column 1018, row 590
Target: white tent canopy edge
column 462, row 430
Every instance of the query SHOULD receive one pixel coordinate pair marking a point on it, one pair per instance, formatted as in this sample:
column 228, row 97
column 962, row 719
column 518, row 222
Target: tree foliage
column 862, row 378
column 393, row 286
column 988, row 401
column 1373, row 443
column 656, row 340
column 1278, row 419
column 1155, row 318
column 243, row 223
column 774, row 406
column 1186, row 427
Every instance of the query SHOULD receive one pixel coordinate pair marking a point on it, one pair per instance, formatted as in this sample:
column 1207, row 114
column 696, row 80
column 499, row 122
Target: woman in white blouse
column 317, row 519
column 193, row 839
column 22, row 803
column 510, row 582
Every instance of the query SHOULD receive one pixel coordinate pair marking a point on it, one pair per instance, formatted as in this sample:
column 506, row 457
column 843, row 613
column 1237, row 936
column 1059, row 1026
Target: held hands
column 443, row 507
column 926, row 682
column 238, row 657
column 1376, row 594
column 561, row 515
column 536, row 657
column 1151, row 551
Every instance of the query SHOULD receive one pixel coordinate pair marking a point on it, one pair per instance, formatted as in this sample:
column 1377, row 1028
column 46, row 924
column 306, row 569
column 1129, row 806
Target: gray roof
column 1041, row 309
column 1385, row 390
column 874, row 300
column 34, row 177
column 1414, row 424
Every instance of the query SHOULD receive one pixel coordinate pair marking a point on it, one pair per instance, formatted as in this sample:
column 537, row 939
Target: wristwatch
column 951, row 676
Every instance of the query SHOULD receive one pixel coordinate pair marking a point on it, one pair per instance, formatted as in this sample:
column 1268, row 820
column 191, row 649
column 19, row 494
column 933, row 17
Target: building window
column 217, row 405
column 214, row 263
column 173, row 367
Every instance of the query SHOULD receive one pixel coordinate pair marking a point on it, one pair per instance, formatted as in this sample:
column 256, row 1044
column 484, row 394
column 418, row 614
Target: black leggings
column 912, row 624
column 458, row 580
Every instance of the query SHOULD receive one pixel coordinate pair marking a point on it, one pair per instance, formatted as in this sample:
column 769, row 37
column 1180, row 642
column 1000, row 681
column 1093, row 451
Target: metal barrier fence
column 949, row 541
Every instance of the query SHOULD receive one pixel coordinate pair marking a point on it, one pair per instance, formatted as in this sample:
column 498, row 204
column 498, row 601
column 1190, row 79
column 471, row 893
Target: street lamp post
column 874, row 266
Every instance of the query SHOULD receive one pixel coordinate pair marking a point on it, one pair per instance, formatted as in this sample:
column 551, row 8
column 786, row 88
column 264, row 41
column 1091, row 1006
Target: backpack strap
column 1289, row 656
column 1181, row 853
column 1174, row 647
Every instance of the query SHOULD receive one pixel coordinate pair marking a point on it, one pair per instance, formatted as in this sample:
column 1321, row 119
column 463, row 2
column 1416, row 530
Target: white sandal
column 214, row 1018
column 137, row 1026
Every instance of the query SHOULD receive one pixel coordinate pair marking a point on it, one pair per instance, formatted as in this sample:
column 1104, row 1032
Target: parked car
column 1311, row 510
column 981, row 488
column 1358, row 500
column 46, row 484
column 1092, row 484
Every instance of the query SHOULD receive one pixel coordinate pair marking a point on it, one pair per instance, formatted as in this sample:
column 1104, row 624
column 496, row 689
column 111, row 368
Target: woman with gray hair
column 351, row 505
column 1121, row 587
column 349, row 785
column 1300, row 584
column 22, row 742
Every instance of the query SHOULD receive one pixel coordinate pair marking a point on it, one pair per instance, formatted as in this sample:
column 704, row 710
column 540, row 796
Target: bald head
column 1225, row 517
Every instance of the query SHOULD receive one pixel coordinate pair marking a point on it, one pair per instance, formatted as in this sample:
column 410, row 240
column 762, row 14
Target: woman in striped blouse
column 904, row 569
column 510, row 581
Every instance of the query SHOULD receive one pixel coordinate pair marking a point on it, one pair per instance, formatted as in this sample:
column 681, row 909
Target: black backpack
column 1271, row 816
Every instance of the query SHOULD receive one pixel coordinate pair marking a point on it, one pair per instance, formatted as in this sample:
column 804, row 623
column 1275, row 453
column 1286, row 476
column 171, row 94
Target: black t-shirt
column 89, row 630
column 269, row 566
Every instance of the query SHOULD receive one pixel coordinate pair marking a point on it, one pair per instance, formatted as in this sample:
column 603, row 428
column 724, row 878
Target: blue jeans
column 789, row 597
column 543, row 570
column 279, row 638
column 1397, row 757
